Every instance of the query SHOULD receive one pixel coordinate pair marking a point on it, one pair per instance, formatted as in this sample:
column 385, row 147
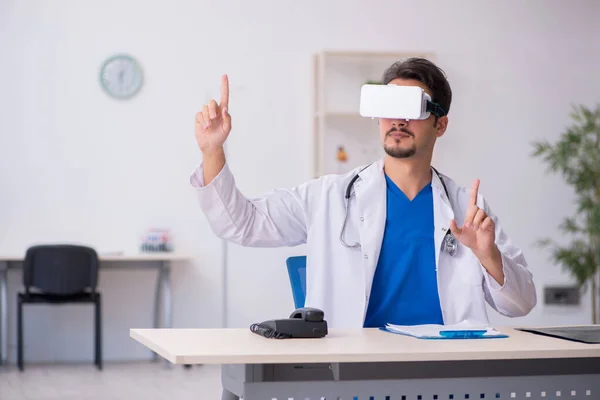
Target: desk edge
column 137, row 336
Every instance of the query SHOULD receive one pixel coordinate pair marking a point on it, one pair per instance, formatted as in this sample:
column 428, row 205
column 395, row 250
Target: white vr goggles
column 397, row 102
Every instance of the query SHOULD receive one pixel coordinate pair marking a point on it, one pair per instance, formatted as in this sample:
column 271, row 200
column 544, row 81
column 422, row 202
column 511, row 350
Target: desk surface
column 240, row 346
column 157, row 256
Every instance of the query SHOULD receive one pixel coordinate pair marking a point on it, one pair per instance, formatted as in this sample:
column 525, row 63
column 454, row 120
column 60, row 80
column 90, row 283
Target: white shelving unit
column 338, row 77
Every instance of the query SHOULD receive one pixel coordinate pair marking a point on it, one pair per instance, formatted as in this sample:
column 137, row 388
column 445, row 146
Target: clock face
column 121, row 76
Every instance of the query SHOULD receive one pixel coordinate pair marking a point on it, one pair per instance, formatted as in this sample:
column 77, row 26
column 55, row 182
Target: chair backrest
column 296, row 267
column 60, row 269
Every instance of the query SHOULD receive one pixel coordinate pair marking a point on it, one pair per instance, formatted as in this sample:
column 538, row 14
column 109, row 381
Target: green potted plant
column 576, row 156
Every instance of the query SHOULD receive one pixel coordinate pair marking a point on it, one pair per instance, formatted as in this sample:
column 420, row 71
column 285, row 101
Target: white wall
column 76, row 165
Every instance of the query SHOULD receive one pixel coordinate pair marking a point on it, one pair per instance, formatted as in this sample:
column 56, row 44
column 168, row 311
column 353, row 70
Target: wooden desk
column 372, row 364
column 162, row 297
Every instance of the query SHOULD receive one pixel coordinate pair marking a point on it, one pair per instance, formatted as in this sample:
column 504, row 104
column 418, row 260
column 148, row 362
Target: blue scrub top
column 404, row 289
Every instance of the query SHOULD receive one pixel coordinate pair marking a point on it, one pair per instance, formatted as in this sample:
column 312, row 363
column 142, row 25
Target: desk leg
column 167, row 295
column 4, row 314
column 163, row 299
column 157, row 302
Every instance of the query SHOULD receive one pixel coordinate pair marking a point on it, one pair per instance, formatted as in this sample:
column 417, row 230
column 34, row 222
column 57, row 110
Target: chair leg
column 98, row 332
column 20, row 332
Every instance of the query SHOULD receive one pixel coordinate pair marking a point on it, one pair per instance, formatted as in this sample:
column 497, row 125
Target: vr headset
column 397, row 102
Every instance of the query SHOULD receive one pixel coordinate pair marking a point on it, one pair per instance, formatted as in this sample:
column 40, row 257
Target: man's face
column 402, row 139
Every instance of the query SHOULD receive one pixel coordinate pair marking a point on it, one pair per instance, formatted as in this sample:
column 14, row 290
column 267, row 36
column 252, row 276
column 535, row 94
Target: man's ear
column 441, row 125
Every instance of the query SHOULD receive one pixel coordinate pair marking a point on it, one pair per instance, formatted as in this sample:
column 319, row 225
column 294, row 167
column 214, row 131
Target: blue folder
column 459, row 331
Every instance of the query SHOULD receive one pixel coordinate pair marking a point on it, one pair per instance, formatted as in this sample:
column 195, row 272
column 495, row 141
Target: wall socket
column 567, row 295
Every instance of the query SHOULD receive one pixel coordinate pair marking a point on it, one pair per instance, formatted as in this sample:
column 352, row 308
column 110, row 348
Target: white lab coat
column 339, row 278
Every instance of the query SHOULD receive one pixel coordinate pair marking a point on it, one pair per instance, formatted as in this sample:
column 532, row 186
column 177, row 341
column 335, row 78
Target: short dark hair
column 426, row 72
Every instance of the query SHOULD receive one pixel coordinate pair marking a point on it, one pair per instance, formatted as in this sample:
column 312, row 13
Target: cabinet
column 342, row 138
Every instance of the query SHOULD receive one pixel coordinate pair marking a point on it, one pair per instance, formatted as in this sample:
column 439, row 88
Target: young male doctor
column 393, row 259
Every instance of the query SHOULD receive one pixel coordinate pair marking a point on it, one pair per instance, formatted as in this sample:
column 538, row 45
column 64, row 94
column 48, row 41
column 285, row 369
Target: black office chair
column 60, row 274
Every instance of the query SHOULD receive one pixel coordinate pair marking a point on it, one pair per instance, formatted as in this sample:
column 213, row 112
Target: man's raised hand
column 213, row 123
column 478, row 230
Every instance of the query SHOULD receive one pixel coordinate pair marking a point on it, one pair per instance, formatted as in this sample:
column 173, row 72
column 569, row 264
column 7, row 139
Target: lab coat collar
column 374, row 172
column 438, row 188
column 371, row 171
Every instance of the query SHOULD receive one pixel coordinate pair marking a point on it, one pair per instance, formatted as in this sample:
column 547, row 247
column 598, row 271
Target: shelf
column 339, row 114
column 338, row 77
column 374, row 54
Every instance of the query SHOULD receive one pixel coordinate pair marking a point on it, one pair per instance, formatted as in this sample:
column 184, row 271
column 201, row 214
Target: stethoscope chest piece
column 450, row 245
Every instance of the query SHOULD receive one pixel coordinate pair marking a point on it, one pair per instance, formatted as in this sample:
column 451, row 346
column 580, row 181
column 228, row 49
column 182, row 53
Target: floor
column 146, row 380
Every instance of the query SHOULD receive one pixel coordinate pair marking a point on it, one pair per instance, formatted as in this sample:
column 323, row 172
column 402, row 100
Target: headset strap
column 435, row 108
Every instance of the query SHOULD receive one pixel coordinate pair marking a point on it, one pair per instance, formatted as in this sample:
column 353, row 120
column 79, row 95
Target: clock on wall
column 121, row 76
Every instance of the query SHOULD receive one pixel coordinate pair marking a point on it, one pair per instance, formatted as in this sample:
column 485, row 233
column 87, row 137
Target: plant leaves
column 576, row 156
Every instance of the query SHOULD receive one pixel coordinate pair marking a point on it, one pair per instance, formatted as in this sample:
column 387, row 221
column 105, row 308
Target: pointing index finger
column 474, row 192
column 224, row 92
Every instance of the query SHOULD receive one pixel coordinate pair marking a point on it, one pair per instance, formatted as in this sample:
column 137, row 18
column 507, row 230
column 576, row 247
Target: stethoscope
column 449, row 244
